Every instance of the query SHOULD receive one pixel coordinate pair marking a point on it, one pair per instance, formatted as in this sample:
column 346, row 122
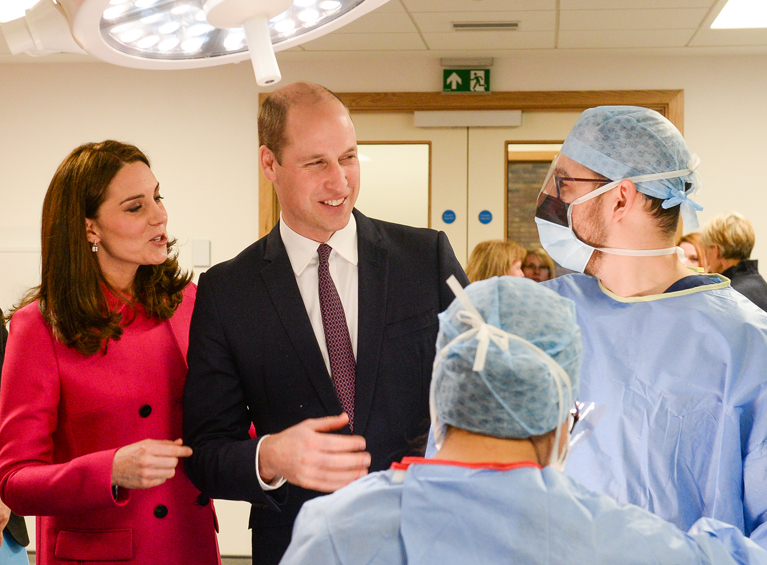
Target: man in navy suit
column 258, row 350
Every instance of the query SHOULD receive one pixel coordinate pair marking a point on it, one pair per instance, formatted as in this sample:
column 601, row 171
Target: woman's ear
column 92, row 231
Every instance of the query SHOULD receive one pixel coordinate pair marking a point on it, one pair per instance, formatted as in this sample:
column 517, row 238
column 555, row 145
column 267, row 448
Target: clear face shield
column 554, row 217
column 555, row 199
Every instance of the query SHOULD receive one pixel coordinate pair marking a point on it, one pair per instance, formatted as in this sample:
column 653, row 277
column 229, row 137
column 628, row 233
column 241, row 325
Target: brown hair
column 70, row 292
column 667, row 218
column 493, row 258
column 732, row 233
column 273, row 114
column 695, row 239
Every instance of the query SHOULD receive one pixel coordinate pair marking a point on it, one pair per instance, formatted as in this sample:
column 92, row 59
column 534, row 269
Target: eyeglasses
column 576, row 415
column 551, row 207
column 550, row 188
column 535, row 268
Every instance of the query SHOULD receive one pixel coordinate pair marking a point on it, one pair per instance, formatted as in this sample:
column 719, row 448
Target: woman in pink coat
column 90, row 405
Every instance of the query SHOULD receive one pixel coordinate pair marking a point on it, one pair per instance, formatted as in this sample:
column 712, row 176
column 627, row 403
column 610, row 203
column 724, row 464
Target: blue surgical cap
column 621, row 142
column 515, row 394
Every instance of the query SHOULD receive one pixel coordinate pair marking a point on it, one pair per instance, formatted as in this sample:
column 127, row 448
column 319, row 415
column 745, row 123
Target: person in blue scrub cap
column 678, row 359
column 503, row 386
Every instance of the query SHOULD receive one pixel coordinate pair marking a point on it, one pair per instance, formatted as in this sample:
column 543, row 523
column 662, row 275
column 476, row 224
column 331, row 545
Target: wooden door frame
column 669, row 103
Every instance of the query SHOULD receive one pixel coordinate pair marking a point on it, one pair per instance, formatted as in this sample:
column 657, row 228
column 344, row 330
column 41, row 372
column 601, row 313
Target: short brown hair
column 493, row 258
column 273, row 114
column 732, row 233
column 70, row 292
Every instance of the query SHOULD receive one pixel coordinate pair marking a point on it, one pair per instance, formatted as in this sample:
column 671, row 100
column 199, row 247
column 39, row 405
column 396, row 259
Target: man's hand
column 5, row 514
column 147, row 463
column 307, row 456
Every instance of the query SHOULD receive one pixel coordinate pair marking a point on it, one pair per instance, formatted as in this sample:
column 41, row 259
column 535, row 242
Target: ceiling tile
column 483, row 40
column 477, row 5
column 390, row 7
column 632, row 4
column 440, row 22
column 722, row 37
column 617, row 39
column 366, row 42
column 376, row 22
column 676, row 18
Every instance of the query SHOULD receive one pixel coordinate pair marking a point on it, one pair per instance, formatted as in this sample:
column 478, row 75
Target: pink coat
column 62, row 417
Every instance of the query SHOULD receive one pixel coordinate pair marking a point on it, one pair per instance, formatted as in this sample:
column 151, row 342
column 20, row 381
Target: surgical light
column 166, row 34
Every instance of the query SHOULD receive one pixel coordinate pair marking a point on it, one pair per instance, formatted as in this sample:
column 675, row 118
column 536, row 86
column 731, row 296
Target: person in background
column 321, row 333
column 728, row 240
column 677, row 358
column 694, row 254
column 538, row 265
column 90, row 406
column 14, row 536
column 504, row 383
column 495, row 258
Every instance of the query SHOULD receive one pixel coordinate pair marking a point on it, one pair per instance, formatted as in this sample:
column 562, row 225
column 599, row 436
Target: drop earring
column 95, row 246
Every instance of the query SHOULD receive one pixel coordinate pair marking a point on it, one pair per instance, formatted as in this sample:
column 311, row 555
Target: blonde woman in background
column 728, row 241
column 694, row 253
column 495, row 258
column 538, row 265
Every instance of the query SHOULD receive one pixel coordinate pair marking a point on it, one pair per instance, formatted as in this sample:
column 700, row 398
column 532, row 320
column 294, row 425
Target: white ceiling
column 423, row 27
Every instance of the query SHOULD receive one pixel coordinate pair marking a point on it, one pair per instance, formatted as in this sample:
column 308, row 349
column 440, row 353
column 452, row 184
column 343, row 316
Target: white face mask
column 558, row 238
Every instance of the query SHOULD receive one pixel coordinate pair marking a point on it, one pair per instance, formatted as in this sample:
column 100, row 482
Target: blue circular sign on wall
column 448, row 216
column 485, row 217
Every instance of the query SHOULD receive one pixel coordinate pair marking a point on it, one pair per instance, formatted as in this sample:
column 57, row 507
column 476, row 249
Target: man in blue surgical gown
column 504, row 381
column 678, row 359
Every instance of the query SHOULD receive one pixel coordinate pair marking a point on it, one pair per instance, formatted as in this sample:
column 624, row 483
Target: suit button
column 161, row 511
column 145, row 411
column 203, row 499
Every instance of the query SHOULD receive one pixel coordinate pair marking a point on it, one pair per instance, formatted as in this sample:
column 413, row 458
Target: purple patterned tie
column 343, row 367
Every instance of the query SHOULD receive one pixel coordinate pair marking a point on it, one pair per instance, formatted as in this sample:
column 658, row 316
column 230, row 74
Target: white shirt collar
column 302, row 250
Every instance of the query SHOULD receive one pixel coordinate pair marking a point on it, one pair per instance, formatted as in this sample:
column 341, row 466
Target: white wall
column 199, row 130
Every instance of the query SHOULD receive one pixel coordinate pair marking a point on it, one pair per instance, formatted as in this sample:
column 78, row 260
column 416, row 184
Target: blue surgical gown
column 449, row 514
column 683, row 376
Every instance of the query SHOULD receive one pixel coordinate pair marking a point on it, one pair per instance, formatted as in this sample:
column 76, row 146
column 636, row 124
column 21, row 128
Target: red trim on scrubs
column 407, row 461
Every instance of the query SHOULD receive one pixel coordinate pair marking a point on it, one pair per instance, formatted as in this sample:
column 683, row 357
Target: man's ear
column 268, row 161
column 626, row 198
column 716, row 251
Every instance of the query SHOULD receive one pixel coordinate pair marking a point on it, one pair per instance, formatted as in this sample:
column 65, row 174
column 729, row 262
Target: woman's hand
column 147, row 463
column 5, row 514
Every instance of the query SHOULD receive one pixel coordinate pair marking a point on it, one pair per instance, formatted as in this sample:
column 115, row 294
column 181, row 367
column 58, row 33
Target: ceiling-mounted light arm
column 253, row 16
column 261, row 51
column 42, row 31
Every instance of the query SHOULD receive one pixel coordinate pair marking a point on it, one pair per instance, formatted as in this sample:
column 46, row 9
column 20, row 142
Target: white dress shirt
column 343, row 270
column 305, row 261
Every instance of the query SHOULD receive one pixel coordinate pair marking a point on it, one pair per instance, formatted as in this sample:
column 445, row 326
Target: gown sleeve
column 31, row 482
column 720, row 541
column 311, row 541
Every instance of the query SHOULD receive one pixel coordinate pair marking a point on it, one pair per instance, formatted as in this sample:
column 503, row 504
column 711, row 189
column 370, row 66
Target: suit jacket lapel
column 373, row 269
column 281, row 284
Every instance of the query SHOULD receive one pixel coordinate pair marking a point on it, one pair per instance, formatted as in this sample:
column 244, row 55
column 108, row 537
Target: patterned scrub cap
column 514, row 393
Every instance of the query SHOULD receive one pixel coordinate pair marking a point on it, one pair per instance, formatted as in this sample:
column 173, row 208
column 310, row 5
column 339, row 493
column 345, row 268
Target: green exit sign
column 465, row 80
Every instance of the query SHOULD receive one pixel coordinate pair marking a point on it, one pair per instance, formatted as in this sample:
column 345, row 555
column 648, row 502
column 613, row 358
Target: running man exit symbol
column 465, row 80
column 478, row 81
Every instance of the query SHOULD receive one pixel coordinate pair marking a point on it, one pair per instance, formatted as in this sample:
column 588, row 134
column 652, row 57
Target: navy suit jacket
column 253, row 357
column 16, row 525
